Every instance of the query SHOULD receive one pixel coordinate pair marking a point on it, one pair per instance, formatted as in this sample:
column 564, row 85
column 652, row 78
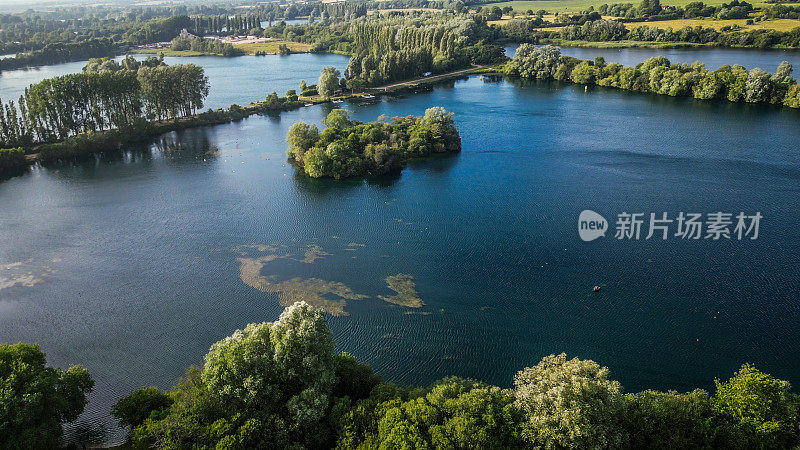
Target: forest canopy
column 281, row 385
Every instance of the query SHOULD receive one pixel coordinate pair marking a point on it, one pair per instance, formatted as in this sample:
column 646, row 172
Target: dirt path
column 427, row 79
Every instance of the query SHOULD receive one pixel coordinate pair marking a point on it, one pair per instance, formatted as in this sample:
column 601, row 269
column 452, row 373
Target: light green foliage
column 301, row 137
column 349, row 149
column 454, row 414
column 269, row 383
column 328, row 81
column 657, row 75
column 338, row 118
column 35, row 399
column 570, row 404
column 583, row 73
column 761, row 406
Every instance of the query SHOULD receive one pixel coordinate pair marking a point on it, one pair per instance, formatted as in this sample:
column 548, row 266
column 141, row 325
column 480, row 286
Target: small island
column 348, row 148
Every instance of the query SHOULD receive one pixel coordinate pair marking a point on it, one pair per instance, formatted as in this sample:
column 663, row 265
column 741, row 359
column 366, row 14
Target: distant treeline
column 213, row 46
column 524, row 30
column 658, row 76
column 347, row 148
column 62, row 52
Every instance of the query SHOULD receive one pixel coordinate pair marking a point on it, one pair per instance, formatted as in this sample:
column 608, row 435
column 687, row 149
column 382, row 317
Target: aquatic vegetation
column 23, row 273
column 406, row 290
column 330, row 296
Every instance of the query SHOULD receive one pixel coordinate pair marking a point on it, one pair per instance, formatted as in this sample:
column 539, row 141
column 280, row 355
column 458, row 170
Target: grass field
column 271, row 47
column 777, row 24
column 574, row 6
column 625, row 44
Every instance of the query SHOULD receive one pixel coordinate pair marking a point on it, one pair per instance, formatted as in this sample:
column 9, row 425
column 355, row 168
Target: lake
column 132, row 264
column 240, row 79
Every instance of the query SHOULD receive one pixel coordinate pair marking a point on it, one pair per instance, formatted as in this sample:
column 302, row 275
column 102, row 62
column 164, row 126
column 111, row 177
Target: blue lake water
column 128, row 264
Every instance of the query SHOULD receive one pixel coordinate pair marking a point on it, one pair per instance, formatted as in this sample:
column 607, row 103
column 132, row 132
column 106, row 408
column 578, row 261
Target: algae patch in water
column 406, row 290
column 330, row 296
column 23, row 273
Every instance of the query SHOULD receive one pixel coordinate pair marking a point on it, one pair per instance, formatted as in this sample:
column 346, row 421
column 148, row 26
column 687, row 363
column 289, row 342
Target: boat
column 596, row 289
column 337, row 101
column 368, row 96
column 309, row 104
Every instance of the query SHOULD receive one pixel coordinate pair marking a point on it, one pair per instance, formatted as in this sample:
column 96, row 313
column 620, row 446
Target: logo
column 591, row 225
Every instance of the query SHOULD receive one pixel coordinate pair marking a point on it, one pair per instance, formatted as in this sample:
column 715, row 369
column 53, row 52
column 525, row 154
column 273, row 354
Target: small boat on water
column 337, row 101
column 368, row 96
column 596, row 289
column 309, row 104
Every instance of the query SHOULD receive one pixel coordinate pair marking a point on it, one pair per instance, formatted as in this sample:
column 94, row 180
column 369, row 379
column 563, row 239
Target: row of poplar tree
column 97, row 100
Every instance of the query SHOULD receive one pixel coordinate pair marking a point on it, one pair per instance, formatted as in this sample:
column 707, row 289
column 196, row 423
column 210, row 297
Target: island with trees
column 657, row 75
column 281, row 385
column 348, row 148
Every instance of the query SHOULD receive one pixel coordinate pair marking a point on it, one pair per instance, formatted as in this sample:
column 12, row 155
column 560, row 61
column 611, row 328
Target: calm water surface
column 128, row 264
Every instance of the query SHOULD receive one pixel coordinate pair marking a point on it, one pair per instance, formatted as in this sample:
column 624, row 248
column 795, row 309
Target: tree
column 301, row 137
column 570, row 404
column 672, row 420
column 328, row 81
column 35, row 400
column 268, row 384
column 761, row 406
column 133, row 410
column 338, row 118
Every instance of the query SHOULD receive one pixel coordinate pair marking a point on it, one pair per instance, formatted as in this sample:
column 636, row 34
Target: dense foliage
column 106, row 95
column 35, row 400
column 349, row 148
column 280, row 385
column 657, row 75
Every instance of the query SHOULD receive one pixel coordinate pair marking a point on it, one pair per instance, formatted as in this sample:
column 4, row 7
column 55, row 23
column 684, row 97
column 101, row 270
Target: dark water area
column 240, row 79
column 713, row 58
column 127, row 264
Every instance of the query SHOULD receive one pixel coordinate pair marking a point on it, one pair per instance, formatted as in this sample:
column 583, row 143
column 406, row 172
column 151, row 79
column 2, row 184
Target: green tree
column 762, row 408
column 570, row 404
column 328, row 81
column 670, row 420
column 133, row 410
column 301, row 138
column 35, row 400
column 268, row 384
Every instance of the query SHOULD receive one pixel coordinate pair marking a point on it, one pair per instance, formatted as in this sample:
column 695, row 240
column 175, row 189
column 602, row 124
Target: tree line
column 103, row 97
column 347, row 148
column 280, row 385
column 657, row 75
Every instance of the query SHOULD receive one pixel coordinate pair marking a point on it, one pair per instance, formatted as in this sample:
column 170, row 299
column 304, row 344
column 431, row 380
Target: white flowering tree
column 570, row 404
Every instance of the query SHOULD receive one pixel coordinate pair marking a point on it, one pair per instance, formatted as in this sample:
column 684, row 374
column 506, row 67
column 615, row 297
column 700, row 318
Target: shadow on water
column 84, row 434
column 176, row 147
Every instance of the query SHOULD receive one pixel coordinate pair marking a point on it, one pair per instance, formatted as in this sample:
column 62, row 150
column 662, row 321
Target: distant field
column 271, row 47
column 777, row 24
column 573, row 6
